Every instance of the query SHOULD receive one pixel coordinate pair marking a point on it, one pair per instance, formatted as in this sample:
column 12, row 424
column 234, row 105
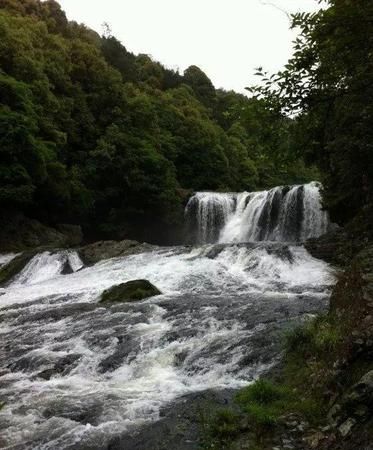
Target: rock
column 314, row 440
column 101, row 250
column 130, row 291
column 332, row 247
column 346, row 427
column 10, row 270
column 361, row 393
column 18, row 233
column 180, row 426
column 126, row 347
column 67, row 269
column 63, row 366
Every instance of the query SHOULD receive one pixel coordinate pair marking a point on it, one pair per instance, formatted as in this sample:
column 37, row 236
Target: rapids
column 76, row 374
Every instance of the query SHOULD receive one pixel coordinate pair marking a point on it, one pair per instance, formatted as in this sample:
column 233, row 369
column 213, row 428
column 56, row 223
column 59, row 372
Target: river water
column 75, row 374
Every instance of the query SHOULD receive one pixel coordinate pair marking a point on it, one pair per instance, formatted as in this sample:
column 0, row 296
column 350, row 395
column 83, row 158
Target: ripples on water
column 76, row 374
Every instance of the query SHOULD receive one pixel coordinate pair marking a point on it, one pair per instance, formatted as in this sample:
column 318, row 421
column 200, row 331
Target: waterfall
column 48, row 265
column 283, row 214
column 78, row 374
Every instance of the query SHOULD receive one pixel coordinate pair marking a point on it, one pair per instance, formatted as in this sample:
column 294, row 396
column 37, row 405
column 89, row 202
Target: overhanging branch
column 266, row 3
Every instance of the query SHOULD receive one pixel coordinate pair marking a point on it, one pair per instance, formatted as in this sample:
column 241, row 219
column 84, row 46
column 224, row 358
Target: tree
column 201, row 85
column 93, row 134
column 328, row 84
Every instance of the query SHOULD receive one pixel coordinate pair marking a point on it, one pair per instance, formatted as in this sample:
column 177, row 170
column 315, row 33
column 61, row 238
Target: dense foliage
column 328, row 84
column 92, row 134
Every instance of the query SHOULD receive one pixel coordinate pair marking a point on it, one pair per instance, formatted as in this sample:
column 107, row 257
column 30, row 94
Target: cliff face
column 349, row 390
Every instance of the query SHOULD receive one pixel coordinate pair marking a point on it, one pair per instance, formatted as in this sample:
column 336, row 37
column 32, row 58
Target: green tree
column 328, row 83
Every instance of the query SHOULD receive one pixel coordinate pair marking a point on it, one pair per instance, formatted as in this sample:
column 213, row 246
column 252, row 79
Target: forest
column 255, row 333
column 91, row 134
column 327, row 86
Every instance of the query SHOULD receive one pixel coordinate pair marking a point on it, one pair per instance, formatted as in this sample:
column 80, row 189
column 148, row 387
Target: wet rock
column 62, row 367
column 180, row 358
column 333, row 247
column 32, row 363
column 10, row 270
column 67, row 269
column 87, row 412
column 101, row 250
column 130, row 291
column 58, row 313
column 126, row 346
column 46, row 374
column 180, row 427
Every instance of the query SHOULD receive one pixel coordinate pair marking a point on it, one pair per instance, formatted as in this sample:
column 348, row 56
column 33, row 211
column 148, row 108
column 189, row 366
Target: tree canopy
column 328, row 86
column 93, row 134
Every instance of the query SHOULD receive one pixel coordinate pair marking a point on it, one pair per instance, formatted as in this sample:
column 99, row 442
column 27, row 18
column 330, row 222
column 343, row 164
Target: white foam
column 281, row 214
column 46, row 266
column 5, row 258
column 173, row 271
column 190, row 348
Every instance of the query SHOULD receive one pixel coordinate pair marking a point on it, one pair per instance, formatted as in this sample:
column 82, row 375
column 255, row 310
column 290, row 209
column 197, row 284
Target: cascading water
column 78, row 375
column 283, row 214
column 47, row 265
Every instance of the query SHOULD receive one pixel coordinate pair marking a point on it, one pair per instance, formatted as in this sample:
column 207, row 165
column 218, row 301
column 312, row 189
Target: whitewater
column 76, row 374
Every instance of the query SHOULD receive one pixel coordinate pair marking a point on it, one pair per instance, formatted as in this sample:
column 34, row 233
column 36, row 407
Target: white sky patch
column 226, row 39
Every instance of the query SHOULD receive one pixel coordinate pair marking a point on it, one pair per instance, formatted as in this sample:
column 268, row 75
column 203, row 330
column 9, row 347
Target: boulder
column 101, row 250
column 361, row 393
column 13, row 267
column 334, row 247
column 18, row 232
column 63, row 366
column 131, row 291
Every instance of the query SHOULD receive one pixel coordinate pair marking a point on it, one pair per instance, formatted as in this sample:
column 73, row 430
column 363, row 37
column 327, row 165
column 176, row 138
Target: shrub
column 318, row 338
column 264, row 402
column 262, row 392
column 226, row 423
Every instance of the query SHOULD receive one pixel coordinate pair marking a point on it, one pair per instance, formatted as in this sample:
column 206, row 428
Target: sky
column 227, row 39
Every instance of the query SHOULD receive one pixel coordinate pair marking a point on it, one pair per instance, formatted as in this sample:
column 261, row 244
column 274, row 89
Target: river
column 76, row 374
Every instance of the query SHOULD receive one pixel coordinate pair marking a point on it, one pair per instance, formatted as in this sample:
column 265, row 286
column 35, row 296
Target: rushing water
column 76, row 374
column 284, row 213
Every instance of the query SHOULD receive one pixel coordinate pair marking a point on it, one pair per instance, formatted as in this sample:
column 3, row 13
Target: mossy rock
column 10, row 270
column 101, row 250
column 19, row 233
column 131, row 291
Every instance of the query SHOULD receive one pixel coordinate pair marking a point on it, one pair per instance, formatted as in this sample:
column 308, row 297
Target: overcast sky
column 227, row 39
